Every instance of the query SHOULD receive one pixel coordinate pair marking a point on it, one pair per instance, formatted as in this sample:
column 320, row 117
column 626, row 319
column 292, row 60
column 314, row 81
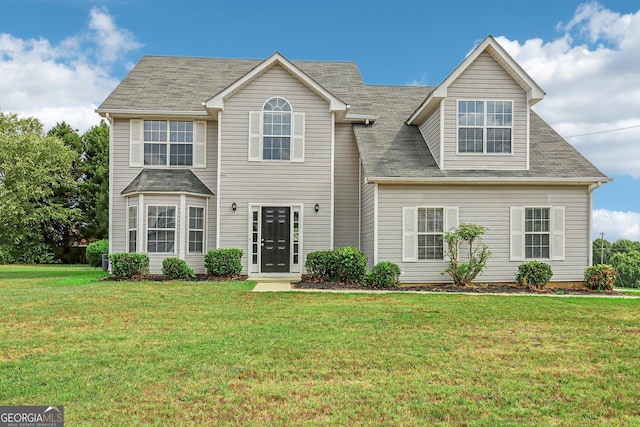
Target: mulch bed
column 479, row 288
column 161, row 278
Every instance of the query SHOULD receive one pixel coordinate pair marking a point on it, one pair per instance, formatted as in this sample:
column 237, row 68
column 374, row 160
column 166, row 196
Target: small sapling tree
column 466, row 237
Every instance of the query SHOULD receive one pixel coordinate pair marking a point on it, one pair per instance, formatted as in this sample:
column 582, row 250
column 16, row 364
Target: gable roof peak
column 276, row 58
column 502, row 57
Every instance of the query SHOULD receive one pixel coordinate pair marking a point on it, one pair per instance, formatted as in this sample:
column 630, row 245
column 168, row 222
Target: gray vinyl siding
column 489, row 207
column 367, row 239
column 485, row 79
column 275, row 183
column 123, row 175
column 430, row 131
column 346, row 188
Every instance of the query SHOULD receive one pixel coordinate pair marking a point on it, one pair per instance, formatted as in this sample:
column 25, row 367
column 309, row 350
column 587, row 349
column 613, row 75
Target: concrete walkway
column 272, row 287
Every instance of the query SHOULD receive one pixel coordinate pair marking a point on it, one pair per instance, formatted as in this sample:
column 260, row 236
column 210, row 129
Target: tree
column 627, row 265
column 601, row 251
column 624, row 246
column 94, row 183
column 68, row 234
column 33, row 167
column 463, row 273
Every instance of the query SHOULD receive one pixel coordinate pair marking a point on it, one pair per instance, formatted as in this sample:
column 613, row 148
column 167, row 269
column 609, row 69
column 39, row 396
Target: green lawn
column 148, row 353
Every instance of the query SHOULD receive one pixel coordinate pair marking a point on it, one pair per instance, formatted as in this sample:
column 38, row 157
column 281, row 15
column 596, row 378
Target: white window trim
column 484, row 127
column 410, row 231
column 189, row 229
column 129, row 229
column 557, row 233
column 175, row 229
column 549, row 232
column 137, row 142
column 428, row 233
column 296, row 137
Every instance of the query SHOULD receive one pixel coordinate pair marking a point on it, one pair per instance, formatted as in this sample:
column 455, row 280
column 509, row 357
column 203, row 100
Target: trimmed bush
column 223, row 262
column 352, row 264
column 384, row 274
column 126, row 266
column 534, row 274
column 176, row 268
column 600, row 277
column 95, row 251
column 322, row 265
column 346, row 265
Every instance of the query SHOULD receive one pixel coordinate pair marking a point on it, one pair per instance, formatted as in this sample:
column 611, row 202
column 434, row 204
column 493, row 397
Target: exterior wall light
column 317, row 207
column 234, row 206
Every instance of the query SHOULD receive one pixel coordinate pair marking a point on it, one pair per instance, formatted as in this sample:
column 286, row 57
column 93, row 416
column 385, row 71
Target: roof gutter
column 489, row 181
column 151, row 113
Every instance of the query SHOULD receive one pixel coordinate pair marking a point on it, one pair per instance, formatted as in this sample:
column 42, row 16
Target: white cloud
column 112, row 40
column 590, row 73
column 62, row 82
column 616, row 225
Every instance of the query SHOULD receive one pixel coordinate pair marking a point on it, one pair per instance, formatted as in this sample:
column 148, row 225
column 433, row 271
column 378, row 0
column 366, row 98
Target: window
column 485, row 126
column 161, row 229
column 276, row 130
column 133, row 228
column 276, row 133
column 196, row 230
column 296, row 236
column 537, row 233
column 255, row 227
column 430, row 231
column 168, row 143
column 423, row 231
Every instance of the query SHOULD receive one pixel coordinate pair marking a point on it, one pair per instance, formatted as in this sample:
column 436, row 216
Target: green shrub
column 534, row 274
column 352, row 264
column 600, row 277
column 95, row 251
column 462, row 271
column 322, row 265
column 176, row 268
column 126, row 266
column 384, row 274
column 223, row 262
column 346, row 265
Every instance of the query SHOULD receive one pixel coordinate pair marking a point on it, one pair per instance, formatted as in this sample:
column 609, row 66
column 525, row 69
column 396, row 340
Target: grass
column 202, row 353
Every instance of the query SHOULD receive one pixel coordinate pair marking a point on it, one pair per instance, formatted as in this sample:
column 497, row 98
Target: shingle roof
column 389, row 148
column 392, row 149
column 167, row 181
column 184, row 83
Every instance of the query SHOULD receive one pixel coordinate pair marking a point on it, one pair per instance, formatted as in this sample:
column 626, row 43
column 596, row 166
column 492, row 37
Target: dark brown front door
column 275, row 240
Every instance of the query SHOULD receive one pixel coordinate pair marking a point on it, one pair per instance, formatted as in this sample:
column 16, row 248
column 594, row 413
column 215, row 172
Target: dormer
column 478, row 117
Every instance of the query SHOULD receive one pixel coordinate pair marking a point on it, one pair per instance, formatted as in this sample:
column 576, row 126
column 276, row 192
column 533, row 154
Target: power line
column 602, row 131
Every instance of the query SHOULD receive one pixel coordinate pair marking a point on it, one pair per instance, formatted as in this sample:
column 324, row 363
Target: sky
column 59, row 59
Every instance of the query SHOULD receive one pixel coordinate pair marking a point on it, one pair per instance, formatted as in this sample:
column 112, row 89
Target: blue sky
column 60, row 58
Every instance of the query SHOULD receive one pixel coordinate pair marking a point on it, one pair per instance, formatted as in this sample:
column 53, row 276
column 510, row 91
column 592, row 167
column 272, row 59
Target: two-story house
column 280, row 158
